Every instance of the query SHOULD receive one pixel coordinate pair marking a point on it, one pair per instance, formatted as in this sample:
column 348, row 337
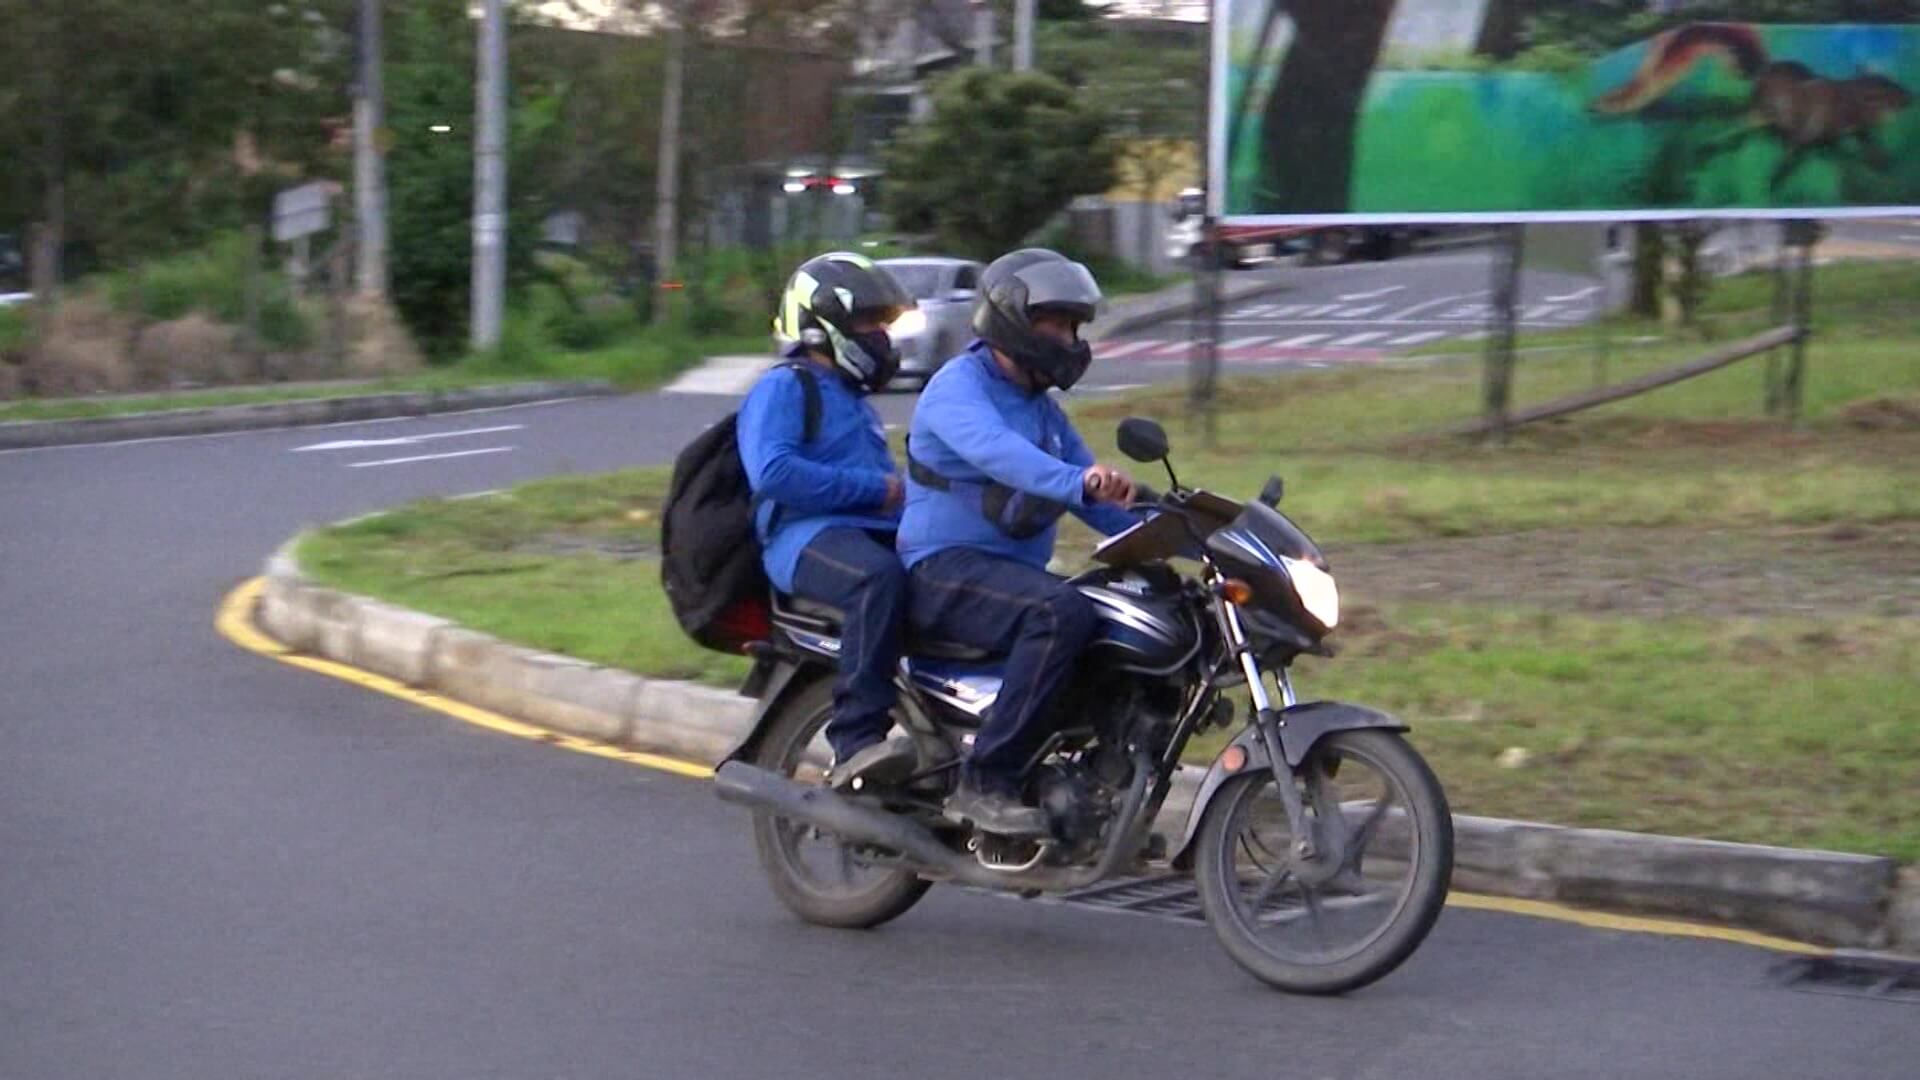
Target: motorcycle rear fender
column 1301, row 727
column 774, row 679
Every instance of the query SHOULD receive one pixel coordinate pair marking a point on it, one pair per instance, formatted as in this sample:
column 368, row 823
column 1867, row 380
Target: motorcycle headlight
column 909, row 324
column 1316, row 590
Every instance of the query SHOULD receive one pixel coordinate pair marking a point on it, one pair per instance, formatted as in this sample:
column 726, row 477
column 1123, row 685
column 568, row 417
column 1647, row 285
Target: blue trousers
column 1040, row 622
column 858, row 572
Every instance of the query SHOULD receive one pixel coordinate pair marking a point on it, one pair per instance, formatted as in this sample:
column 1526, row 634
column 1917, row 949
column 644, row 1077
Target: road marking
column 1125, row 348
column 1288, row 310
column 1459, row 298
column 1419, row 339
column 428, row 457
column 1360, row 339
column 1572, row 296
column 235, row 623
column 1303, row 339
column 1173, row 348
column 1359, row 312
column 1116, row 388
column 1324, row 309
column 1241, row 343
column 1600, row 920
column 1375, row 294
column 404, row 440
column 111, row 443
column 1540, row 312
column 487, row 494
column 1254, row 312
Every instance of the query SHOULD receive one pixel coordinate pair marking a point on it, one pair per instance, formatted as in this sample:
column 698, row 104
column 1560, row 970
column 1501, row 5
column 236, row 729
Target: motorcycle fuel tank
column 1144, row 622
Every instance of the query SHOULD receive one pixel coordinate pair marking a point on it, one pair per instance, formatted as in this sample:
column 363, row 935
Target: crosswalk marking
column 1360, row 339
column 1303, row 339
column 1324, row 309
column 1358, row 312
column 1287, row 311
column 1125, row 348
column 1540, row 312
column 1241, row 343
column 1419, row 339
column 1173, row 348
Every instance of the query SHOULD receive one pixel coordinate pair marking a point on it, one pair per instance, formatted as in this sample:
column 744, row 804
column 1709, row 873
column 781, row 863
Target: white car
column 940, row 327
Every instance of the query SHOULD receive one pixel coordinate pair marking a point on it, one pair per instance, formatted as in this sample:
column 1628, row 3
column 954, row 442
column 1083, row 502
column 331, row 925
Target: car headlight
column 910, row 324
column 1316, row 590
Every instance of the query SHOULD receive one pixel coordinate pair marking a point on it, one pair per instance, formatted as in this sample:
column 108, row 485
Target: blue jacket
column 837, row 479
column 973, row 424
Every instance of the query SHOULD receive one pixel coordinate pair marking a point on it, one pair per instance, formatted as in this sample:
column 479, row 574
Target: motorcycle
column 1320, row 842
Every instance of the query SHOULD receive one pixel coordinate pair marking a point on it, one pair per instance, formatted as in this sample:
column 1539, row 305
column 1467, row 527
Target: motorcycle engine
column 1070, row 800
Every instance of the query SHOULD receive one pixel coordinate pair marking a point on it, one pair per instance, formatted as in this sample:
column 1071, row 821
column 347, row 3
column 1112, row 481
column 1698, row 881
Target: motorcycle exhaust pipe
column 760, row 789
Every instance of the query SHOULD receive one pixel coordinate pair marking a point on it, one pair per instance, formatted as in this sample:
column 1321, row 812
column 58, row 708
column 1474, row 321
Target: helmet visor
column 1061, row 286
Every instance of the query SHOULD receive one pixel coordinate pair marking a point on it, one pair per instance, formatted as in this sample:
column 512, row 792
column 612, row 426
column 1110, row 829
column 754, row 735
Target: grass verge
column 1575, row 684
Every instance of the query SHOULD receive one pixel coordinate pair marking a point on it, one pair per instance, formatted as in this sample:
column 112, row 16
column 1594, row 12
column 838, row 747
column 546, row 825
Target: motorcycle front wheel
column 1359, row 896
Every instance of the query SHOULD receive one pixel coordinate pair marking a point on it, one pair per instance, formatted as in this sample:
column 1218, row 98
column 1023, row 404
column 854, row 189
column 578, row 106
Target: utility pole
column 369, row 169
column 1023, row 34
column 983, row 33
column 666, row 217
column 490, row 179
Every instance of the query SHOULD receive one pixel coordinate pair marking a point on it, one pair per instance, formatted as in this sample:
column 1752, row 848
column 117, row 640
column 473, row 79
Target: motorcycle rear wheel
column 851, row 894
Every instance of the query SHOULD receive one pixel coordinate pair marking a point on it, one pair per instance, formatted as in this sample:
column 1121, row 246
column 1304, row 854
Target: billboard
column 1354, row 111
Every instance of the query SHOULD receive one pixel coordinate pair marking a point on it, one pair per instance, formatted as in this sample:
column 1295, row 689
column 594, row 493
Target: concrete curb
column 1829, row 898
column 28, row 434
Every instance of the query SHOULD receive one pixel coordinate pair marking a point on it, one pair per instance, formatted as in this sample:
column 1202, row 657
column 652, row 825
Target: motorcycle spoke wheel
column 1355, row 899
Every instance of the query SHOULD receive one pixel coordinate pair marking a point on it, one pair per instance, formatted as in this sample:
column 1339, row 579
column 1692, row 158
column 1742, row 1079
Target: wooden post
column 1497, row 383
column 1795, row 385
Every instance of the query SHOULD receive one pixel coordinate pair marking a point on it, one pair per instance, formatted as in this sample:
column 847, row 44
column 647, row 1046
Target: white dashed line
column 1360, row 339
column 428, row 457
column 1303, row 339
column 1419, row 339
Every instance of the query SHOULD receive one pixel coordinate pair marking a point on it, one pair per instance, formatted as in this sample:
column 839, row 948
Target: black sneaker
column 888, row 763
column 992, row 812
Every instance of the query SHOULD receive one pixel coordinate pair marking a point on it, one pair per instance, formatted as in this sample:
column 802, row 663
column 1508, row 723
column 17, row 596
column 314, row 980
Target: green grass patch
column 1794, row 726
column 635, row 362
column 556, row 564
column 1784, row 731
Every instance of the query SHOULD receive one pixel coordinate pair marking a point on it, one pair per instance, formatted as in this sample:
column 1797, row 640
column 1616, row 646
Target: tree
column 430, row 84
column 1000, row 155
column 1311, row 116
column 144, row 126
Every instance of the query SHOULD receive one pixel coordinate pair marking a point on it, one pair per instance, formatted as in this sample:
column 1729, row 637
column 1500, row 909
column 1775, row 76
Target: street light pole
column 1023, row 11
column 369, row 169
column 490, row 179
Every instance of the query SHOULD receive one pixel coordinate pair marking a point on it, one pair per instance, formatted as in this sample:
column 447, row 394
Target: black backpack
column 709, row 555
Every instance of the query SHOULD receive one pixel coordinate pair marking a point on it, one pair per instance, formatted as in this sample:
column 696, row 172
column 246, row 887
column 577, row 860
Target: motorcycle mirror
column 1142, row 439
column 1270, row 494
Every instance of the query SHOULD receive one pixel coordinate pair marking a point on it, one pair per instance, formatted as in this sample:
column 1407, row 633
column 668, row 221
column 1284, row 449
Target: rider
column 992, row 463
column 828, row 506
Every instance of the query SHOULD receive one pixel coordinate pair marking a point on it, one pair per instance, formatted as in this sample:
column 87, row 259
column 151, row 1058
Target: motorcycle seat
column 828, row 618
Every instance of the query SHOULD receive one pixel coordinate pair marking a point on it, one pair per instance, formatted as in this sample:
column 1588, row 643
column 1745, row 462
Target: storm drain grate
column 1877, row 978
column 1169, row 896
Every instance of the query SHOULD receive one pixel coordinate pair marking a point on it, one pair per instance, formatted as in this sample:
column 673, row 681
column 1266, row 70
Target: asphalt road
column 213, row 865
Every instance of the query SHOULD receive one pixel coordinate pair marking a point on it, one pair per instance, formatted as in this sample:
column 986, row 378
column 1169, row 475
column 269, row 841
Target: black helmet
column 1019, row 285
column 823, row 299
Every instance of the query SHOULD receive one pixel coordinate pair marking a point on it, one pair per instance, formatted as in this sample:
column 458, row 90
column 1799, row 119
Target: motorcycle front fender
column 1300, row 727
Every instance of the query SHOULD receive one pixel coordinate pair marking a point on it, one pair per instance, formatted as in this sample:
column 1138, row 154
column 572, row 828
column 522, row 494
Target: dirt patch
column 1883, row 414
column 1834, row 570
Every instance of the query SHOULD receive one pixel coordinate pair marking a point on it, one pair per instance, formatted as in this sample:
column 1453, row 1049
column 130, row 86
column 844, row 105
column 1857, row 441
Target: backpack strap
column 810, row 390
column 809, row 426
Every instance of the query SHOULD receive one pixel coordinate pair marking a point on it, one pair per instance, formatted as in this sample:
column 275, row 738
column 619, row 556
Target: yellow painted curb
column 235, row 623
